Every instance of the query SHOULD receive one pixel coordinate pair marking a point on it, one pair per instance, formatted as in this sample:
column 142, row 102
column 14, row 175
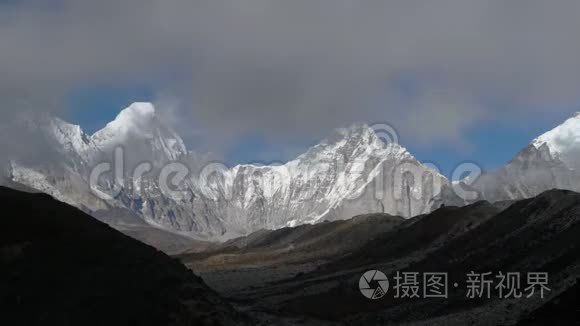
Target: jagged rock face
column 549, row 162
column 66, row 155
column 64, row 265
column 352, row 172
column 333, row 180
column 142, row 135
column 563, row 142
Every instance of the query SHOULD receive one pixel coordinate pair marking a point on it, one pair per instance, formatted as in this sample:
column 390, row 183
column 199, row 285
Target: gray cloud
column 431, row 68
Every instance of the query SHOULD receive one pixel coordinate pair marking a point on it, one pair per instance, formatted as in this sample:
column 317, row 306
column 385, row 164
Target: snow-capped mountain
column 142, row 134
column 352, row 172
column 335, row 179
column 549, row 161
column 563, row 142
column 66, row 158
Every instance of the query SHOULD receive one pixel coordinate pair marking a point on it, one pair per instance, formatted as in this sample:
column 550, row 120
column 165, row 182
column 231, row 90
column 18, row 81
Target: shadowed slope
column 305, row 243
column 540, row 234
column 59, row 266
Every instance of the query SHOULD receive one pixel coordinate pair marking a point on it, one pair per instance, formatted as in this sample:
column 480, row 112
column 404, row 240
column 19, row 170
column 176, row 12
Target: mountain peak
column 137, row 118
column 563, row 141
column 139, row 124
column 355, row 129
column 135, row 113
column 366, row 134
column 563, row 138
column 142, row 108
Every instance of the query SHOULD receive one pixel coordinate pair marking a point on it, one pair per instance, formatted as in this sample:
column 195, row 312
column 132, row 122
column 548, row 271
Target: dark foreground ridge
column 59, row 266
column 276, row 280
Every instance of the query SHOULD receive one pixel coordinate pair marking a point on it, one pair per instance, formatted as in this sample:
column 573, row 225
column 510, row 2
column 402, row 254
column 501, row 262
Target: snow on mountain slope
column 564, row 141
column 66, row 156
column 335, row 179
column 550, row 161
column 71, row 139
column 138, row 129
column 135, row 119
column 351, row 172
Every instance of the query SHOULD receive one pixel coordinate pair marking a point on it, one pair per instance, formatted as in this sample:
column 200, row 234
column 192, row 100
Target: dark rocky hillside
column 59, row 266
column 302, row 244
column 540, row 234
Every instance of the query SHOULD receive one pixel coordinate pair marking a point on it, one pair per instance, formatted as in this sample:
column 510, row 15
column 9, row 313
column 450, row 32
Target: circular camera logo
column 373, row 284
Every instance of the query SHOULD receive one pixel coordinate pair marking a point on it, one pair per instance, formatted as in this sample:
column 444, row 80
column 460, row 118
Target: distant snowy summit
column 564, row 141
column 136, row 120
column 136, row 123
column 349, row 173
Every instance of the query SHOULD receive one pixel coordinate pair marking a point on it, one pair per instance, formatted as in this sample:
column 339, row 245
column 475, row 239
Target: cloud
column 432, row 69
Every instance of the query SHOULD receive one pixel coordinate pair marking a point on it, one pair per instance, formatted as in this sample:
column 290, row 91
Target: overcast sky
column 277, row 69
